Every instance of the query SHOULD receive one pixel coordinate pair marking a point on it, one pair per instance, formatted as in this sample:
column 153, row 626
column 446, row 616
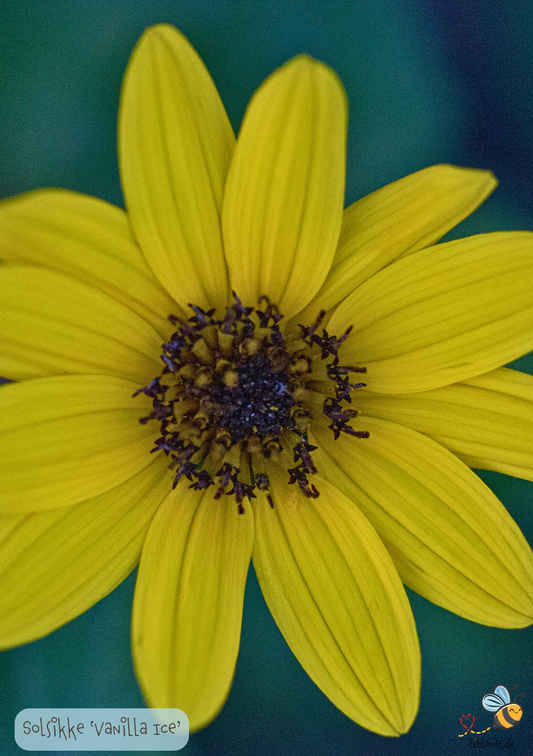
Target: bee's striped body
column 507, row 716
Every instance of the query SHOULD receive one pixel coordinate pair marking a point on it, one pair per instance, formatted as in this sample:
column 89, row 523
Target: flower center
column 236, row 395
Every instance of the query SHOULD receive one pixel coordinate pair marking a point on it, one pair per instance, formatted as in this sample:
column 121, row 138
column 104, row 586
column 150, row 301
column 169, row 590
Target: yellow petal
column 175, row 144
column 450, row 538
column 285, row 191
column 68, row 438
column 442, row 315
column 88, row 239
column 55, row 565
column 399, row 219
column 51, row 323
column 187, row 609
column 337, row 598
column 486, row 421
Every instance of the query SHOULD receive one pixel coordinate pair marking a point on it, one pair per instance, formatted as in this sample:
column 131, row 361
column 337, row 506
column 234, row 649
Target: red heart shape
column 468, row 726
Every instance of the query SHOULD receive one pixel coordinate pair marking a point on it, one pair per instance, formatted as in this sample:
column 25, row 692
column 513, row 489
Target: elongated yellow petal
column 285, row 191
column 403, row 217
column 486, row 421
column 442, row 315
column 55, row 565
column 175, row 144
column 187, row 610
column 51, row 323
column 88, row 239
column 450, row 538
column 69, row 438
column 336, row 597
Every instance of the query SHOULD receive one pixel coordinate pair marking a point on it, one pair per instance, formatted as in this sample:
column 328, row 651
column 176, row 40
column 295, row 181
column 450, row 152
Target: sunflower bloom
column 235, row 368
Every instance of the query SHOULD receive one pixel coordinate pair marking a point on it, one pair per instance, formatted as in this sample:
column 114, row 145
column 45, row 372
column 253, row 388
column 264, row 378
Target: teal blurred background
column 428, row 81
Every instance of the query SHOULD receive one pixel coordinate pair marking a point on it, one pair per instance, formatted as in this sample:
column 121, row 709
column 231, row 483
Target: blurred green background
column 428, row 81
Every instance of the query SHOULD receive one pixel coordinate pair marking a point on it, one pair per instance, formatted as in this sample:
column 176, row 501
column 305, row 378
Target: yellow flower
column 237, row 399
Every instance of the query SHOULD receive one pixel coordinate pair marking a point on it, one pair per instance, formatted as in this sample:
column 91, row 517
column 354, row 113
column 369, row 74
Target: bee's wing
column 502, row 691
column 492, row 702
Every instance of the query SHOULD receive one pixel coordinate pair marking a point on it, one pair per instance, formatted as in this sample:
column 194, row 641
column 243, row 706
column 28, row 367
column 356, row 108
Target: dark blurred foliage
column 428, row 81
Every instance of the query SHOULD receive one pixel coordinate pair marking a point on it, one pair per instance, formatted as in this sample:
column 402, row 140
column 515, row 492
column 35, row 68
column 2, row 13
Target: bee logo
column 507, row 714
